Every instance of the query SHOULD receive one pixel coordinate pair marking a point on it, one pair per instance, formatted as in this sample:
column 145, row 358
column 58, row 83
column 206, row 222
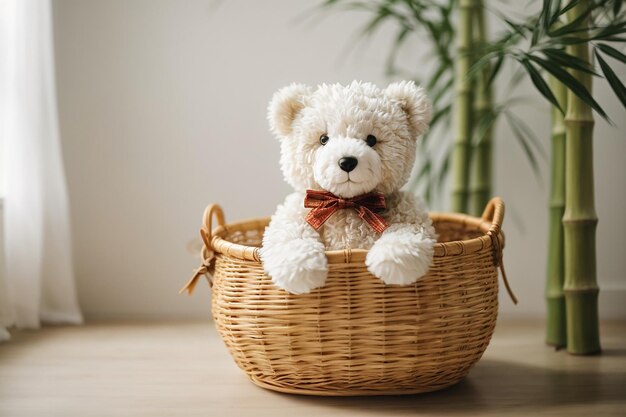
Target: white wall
column 162, row 109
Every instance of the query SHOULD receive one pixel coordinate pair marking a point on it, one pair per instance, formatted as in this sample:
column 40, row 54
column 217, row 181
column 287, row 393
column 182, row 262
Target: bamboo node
column 581, row 290
column 590, row 221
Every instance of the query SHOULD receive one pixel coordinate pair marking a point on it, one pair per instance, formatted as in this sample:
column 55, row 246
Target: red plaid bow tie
column 325, row 204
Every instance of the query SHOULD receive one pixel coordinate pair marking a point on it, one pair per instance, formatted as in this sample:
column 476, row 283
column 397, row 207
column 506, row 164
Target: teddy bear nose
column 348, row 163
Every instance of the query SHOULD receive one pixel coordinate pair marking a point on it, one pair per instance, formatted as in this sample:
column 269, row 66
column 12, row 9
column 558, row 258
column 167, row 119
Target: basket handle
column 207, row 255
column 494, row 214
column 207, row 222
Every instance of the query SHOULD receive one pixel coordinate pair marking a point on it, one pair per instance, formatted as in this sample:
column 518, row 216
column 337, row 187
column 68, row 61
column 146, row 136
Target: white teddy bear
column 347, row 151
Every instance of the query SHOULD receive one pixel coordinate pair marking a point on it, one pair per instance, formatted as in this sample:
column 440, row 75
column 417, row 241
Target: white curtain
column 38, row 274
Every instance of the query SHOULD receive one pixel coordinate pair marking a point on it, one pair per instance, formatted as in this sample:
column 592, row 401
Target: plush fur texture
column 292, row 251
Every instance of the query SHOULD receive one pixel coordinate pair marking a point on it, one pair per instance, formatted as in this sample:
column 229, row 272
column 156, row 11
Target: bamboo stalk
column 463, row 108
column 555, row 324
column 579, row 219
column 481, row 156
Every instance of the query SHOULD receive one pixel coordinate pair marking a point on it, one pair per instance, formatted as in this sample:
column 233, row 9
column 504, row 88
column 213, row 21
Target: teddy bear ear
column 415, row 104
column 285, row 106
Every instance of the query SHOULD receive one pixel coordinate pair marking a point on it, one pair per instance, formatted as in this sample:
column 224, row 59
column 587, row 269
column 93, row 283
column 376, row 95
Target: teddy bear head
column 349, row 140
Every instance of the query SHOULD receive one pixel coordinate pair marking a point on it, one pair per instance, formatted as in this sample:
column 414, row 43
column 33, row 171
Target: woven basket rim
column 489, row 224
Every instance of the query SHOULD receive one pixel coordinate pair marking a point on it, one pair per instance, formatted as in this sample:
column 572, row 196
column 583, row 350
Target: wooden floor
column 182, row 369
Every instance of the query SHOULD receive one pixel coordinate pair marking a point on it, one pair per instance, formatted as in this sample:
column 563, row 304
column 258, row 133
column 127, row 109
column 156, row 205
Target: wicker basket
column 356, row 335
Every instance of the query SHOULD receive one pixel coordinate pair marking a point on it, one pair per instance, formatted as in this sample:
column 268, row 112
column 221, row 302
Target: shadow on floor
column 498, row 386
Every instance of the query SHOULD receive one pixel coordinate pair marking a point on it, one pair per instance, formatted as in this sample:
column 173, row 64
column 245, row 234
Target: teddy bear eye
column 371, row 140
column 324, row 139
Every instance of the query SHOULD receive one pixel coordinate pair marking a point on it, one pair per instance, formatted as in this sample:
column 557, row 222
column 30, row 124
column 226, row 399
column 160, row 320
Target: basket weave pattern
column 356, row 335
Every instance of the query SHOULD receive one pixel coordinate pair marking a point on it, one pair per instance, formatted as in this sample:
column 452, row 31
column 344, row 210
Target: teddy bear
column 347, row 151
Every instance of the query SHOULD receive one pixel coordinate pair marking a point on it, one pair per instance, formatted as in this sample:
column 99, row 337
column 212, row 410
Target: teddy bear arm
column 292, row 252
column 288, row 223
column 403, row 253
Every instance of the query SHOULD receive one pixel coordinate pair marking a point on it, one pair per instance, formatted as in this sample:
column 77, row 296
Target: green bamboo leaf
column 567, row 8
column 537, row 32
column 554, row 13
column 617, row 6
column 620, row 22
column 352, row 5
column 428, row 195
column 540, row 83
column 439, row 114
column 414, row 6
column 445, row 88
column 606, row 31
column 484, row 124
column 613, row 79
column 563, row 58
column 573, row 25
column 432, row 27
column 425, row 170
column 391, row 58
column 573, row 40
column 516, row 28
column 494, row 70
column 371, row 26
column 543, row 23
column 445, row 168
column 545, row 13
column 516, row 78
column 525, row 146
column 528, row 133
column 415, row 181
column 571, row 83
column 612, row 52
column 609, row 32
column 479, row 66
column 441, row 70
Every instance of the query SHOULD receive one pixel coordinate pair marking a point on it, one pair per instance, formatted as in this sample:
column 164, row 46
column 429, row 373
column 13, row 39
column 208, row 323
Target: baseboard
column 93, row 316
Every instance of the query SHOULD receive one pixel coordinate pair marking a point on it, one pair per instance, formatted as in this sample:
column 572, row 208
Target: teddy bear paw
column 395, row 266
column 297, row 267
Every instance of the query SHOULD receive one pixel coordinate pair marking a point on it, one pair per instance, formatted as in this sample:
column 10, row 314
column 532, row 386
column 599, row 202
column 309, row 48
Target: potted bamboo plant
column 558, row 41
